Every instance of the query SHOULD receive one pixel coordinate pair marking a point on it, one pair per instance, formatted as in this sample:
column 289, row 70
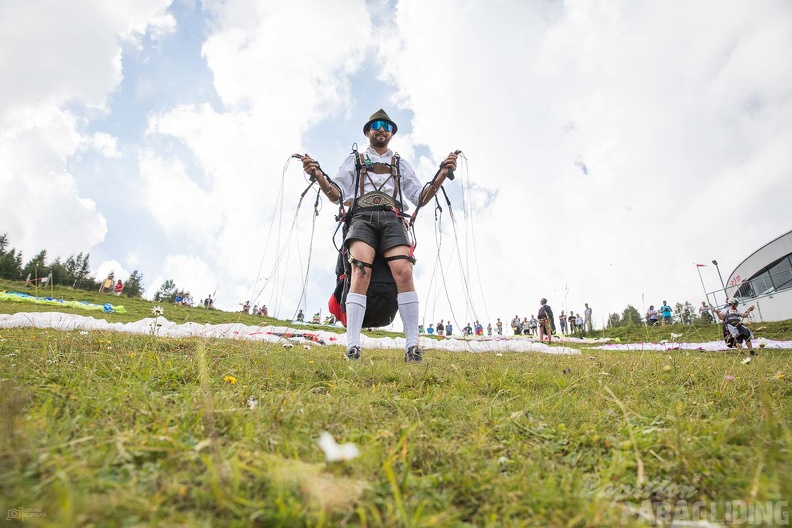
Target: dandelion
column 729, row 377
column 230, row 380
column 780, row 376
column 336, row 452
column 310, row 362
column 131, row 354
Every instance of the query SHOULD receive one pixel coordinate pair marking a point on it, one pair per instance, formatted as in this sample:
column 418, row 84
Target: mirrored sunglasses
column 376, row 125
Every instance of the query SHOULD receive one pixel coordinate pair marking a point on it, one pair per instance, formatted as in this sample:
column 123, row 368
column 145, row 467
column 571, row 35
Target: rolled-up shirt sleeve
column 411, row 185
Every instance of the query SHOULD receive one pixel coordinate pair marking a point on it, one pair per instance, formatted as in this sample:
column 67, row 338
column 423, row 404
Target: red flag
column 701, row 265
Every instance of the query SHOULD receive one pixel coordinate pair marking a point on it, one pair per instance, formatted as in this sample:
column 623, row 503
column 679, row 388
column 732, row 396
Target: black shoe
column 353, row 353
column 413, row 355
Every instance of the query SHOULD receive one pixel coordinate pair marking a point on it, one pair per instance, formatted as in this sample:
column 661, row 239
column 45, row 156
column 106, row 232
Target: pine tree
column 134, row 285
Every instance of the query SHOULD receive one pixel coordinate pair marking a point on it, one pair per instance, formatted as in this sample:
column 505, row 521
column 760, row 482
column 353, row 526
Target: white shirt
column 411, row 186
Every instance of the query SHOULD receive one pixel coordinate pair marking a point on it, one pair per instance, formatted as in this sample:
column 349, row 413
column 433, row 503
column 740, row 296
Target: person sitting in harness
column 374, row 184
column 734, row 331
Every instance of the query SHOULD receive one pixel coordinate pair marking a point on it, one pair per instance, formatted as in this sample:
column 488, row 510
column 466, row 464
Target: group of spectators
column 261, row 311
column 107, row 286
column 571, row 324
column 576, row 324
column 664, row 315
column 185, row 300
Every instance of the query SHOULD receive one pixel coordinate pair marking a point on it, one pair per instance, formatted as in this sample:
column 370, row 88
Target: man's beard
column 381, row 143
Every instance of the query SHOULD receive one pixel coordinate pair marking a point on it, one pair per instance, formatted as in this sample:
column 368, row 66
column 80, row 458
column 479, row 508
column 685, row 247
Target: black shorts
column 381, row 230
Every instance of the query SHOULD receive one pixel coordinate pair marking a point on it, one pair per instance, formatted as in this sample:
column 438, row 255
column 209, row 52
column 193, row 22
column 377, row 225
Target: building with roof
column 764, row 279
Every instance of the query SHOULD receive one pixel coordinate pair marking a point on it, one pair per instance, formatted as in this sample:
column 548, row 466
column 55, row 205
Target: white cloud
column 658, row 100
column 676, row 110
column 55, row 56
column 105, row 268
column 189, row 272
column 104, row 143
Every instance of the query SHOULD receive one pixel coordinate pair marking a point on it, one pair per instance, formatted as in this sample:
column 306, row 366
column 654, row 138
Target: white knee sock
column 355, row 312
column 408, row 309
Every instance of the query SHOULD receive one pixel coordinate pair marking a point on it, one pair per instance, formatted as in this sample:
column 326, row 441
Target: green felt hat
column 376, row 116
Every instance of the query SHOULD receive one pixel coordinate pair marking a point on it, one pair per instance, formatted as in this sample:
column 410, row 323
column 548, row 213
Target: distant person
column 499, row 326
column 571, row 321
column 580, row 328
column 449, row 329
column 119, row 287
column 734, row 331
column 440, row 327
column 545, row 321
column 587, row 315
column 107, row 285
column 430, row 329
column 300, row 316
column 534, row 324
column 666, row 312
column 479, row 329
column 246, row 307
column 705, row 313
column 562, row 319
column 651, row 316
column 489, row 329
column 468, row 330
column 517, row 326
column 265, row 312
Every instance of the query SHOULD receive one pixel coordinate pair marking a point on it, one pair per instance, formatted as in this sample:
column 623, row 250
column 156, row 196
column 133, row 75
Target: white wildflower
column 158, row 311
column 336, row 452
column 252, row 403
column 287, row 345
column 83, row 332
column 746, row 360
column 498, row 355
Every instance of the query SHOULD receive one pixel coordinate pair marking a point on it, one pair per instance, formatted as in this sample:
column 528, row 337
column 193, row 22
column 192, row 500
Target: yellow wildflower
column 230, row 379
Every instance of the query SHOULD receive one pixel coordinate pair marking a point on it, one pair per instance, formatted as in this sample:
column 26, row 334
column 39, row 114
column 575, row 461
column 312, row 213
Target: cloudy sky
column 609, row 145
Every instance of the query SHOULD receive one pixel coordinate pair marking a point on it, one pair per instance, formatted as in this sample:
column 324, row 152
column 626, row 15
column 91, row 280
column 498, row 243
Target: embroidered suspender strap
column 396, row 177
column 363, row 174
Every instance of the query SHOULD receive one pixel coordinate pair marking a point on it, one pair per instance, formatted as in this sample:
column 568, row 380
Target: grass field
column 105, row 429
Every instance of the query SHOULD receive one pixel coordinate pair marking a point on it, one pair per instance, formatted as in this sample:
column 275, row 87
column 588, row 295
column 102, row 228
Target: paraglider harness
column 735, row 320
column 382, row 294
